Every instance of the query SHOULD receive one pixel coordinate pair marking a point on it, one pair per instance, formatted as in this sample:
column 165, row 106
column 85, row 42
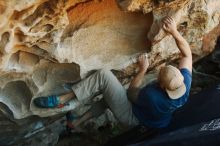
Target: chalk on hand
column 134, row 59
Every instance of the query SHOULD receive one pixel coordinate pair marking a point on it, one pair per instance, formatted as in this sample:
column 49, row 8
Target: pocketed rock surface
column 46, row 43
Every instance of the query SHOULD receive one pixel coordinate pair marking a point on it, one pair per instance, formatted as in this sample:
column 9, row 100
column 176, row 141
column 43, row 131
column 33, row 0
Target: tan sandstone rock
column 46, row 43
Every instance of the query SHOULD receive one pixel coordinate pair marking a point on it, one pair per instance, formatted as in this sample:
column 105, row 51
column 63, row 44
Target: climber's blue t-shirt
column 154, row 108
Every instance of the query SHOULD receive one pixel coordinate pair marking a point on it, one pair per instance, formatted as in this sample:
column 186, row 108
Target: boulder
column 46, row 43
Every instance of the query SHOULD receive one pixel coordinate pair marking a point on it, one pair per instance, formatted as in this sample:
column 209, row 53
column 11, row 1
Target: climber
column 151, row 106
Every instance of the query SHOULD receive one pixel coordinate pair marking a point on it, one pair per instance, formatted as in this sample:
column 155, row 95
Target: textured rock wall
column 45, row 44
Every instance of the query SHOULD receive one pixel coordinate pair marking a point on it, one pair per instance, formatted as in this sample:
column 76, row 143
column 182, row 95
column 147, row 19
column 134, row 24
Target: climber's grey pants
column 114, row 95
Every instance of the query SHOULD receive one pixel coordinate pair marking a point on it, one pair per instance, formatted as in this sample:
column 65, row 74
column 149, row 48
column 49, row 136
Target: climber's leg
column 53, row 100
column 95, row 111
column 85, row 90
column 103, row 81
column 66, row 97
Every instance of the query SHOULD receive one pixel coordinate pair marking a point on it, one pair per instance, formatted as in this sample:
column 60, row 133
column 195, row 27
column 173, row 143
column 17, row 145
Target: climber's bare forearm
column 186, row 59
column 143, row 65
column 137, row 80
column 182, row 44
column 135, row 87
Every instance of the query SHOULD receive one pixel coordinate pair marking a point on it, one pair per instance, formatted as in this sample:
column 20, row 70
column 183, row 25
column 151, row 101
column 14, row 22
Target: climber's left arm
column 138, row 79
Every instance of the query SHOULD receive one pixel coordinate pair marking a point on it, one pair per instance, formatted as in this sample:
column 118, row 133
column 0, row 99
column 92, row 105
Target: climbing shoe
column 70, row 117
column 48, row 102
